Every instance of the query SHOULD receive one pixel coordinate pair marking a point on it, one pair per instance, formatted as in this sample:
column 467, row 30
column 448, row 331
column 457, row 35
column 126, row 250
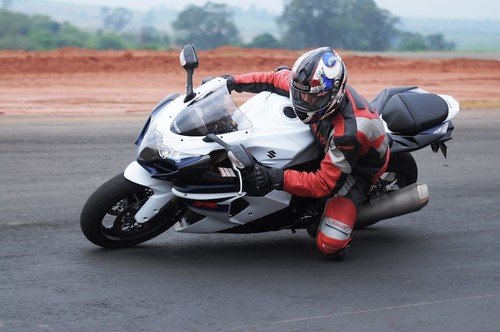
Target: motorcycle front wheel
column 107, row 218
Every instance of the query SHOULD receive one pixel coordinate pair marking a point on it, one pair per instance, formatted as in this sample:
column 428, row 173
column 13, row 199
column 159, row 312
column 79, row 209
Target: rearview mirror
column 189, row 60
column 188, row 57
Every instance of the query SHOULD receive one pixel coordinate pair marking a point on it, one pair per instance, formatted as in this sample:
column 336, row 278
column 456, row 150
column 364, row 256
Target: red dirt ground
column 75, row 81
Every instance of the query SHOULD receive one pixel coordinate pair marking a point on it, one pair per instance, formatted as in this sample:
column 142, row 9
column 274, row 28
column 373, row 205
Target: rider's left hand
column 229, row 81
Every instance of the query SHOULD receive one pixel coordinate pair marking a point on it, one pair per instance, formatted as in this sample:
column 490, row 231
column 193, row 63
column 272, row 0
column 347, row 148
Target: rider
column 347, row 127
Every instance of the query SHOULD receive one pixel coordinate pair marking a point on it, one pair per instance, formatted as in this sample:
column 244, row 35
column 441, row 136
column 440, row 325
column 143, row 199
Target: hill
column 468, row 35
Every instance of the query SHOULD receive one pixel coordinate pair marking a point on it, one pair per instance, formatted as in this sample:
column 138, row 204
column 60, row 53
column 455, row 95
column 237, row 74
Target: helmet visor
column 310, row 102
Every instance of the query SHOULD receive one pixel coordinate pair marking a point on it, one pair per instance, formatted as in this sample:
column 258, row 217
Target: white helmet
column 317, row 84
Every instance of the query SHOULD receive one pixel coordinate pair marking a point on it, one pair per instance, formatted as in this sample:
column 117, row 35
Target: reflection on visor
column 313, row 100
column 307, row 102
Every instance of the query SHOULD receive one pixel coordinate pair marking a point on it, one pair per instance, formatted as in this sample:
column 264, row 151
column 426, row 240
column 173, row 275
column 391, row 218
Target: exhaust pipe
column 384, row 206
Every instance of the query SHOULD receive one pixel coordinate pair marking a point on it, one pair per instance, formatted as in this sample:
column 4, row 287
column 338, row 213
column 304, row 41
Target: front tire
column 107, row 218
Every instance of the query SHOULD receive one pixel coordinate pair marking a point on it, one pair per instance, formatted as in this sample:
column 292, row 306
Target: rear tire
column 404, row 167
column 107, row 218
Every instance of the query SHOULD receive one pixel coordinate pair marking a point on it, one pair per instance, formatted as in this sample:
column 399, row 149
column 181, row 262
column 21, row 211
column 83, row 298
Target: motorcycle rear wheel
column 405, row 168
column 107, row 218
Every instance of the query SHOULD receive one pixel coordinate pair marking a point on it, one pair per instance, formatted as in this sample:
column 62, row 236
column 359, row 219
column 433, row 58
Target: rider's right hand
column 264, row 177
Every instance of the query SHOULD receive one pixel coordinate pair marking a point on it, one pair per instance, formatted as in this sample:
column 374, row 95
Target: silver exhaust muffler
column 384, row 206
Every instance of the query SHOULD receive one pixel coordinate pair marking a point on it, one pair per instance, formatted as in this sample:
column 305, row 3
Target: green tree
column 116, row 19
column 410, row 41
column 38, row 32
column 72, row 36
column 108, row 41
column 264, row 40
column 351, row 24
column 373, row 29
column 151, row 38
column 14, row 24
column 44, row 31
column 206, row 27
column 437, row 42
column 17, row 42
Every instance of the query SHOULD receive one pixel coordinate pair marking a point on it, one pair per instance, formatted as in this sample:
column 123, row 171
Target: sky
column 455, row 9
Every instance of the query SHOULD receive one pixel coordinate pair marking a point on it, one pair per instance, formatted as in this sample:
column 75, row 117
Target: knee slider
column 333, row 235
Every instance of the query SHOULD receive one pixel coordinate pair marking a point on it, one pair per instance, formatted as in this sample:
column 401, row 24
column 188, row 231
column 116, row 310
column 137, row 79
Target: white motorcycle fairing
column 162, row 191
column 264, row 118
column 177, row 132
column 218, row 216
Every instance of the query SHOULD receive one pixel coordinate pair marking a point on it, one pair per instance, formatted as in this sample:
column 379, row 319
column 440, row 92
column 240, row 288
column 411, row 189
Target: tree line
column 347, row 24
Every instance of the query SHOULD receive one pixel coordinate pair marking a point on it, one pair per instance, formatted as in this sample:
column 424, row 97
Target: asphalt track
column 434, row 270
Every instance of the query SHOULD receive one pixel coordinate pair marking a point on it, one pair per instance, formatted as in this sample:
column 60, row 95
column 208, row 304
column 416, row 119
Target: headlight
column 153, row 149
column 165, row 152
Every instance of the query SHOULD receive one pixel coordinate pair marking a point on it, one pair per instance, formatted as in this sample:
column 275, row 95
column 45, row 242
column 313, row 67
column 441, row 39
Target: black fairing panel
column 403, row 143
column 410, row 113
column 190, row 168
column 307, row 159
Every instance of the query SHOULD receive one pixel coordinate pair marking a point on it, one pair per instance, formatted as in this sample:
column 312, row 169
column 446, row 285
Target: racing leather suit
column 356, row 154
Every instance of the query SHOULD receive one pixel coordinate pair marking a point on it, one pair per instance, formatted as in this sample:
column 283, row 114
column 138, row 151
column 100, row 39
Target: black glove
column 206, row 79
column 263, row 177
column 231, row 84
column 229, row 81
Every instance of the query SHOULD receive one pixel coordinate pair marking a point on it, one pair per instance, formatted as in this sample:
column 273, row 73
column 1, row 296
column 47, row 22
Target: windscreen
column 211, row 113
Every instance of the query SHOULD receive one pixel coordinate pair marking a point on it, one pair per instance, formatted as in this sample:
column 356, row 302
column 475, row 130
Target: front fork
column 162, row 191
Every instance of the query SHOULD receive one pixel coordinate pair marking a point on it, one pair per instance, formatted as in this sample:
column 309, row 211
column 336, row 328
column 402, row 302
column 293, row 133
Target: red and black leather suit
column 356, row 154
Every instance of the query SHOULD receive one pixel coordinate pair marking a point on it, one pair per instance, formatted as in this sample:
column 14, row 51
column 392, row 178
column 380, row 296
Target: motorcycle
column 194, row 150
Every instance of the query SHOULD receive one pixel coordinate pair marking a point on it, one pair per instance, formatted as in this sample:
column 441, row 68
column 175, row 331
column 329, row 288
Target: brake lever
column 240, row 158
column 236, row 153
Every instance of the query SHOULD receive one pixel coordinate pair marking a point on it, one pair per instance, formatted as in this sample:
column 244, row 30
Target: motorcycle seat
column 411, row 113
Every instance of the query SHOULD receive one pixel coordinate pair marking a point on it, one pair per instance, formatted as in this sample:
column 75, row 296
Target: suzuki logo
column 271, row 154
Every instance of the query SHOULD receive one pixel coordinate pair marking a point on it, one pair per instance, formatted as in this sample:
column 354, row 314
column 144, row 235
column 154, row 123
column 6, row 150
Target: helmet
column 317, row 84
